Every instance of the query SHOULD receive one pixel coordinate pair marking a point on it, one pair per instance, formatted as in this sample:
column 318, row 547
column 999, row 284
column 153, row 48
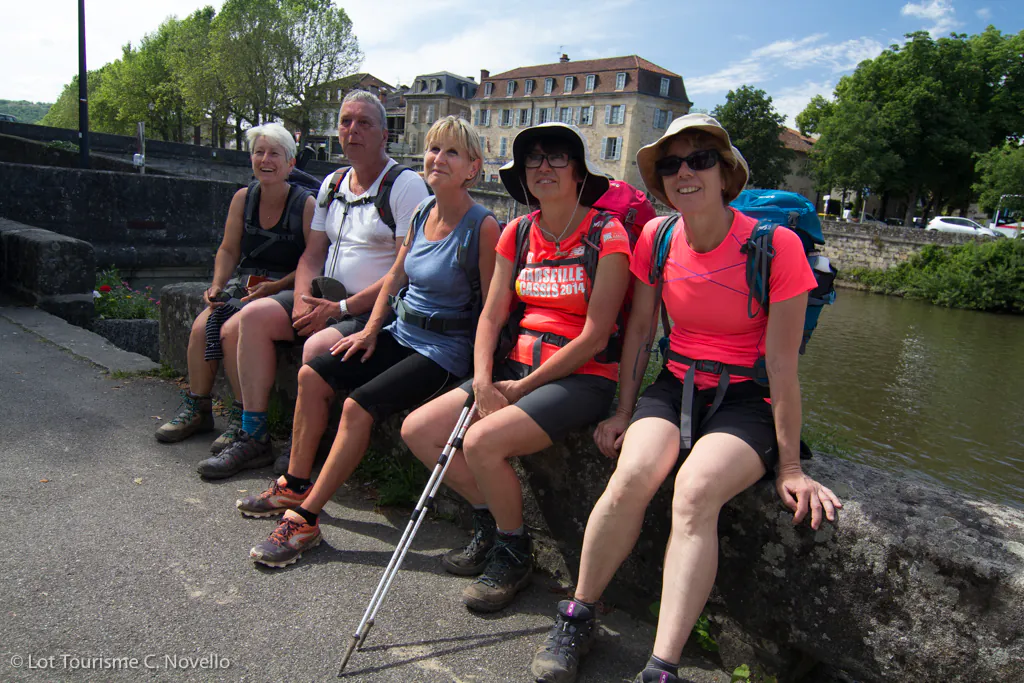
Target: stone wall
column 51, row 271
column 912, row 583
column 850, row 245
column 133, row 221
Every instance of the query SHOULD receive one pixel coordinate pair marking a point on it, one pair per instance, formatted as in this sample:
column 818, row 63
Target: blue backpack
column 771, row 208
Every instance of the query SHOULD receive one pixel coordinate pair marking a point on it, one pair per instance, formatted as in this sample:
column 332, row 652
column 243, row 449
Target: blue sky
column 793, row 49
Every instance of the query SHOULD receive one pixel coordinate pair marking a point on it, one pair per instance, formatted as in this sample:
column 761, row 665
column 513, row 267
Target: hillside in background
column 24, row 111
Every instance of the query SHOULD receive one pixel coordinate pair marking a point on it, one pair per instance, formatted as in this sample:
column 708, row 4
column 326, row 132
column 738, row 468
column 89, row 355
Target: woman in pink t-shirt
column 727, row 447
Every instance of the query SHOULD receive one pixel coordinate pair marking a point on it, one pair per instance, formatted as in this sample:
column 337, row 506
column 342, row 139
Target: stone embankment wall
column 912, row 583
column 850, row 245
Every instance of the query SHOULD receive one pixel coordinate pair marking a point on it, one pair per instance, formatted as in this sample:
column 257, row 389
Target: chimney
column 564, row 58
column 484, row 75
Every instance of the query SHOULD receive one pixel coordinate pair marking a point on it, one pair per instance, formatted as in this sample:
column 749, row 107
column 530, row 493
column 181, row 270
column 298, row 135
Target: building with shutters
column 431, row 97
column 620, row 104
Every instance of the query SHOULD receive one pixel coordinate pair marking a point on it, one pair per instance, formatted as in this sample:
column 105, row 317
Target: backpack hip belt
column 725, row 371
column 262, row 272
column 430, row 322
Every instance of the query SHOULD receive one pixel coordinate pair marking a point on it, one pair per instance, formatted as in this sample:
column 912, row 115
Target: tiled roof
column 795, row 141
column 642, row 76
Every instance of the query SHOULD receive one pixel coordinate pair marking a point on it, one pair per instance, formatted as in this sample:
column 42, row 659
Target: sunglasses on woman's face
column 700, row 160
column 556, row 160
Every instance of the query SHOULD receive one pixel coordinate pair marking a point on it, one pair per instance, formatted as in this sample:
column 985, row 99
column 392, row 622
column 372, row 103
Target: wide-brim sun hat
column 513, row 174
column 649, row 154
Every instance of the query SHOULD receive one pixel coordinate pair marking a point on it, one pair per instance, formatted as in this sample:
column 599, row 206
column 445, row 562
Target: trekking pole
column 418, row 514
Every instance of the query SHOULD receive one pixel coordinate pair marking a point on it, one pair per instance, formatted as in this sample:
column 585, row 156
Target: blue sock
column 254, row 424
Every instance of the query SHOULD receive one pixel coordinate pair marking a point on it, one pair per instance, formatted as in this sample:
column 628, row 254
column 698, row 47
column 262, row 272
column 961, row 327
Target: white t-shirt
column 366, row 250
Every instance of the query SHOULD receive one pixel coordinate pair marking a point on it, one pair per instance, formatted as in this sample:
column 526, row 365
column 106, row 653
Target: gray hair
column 276, row 134
column 370, row 99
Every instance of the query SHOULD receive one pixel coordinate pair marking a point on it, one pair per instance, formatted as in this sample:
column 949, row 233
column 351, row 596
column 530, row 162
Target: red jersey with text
column 555, row 295
column 706, row 294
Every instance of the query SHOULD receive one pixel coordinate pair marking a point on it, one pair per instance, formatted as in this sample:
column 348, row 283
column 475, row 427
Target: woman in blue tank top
column 439, row 276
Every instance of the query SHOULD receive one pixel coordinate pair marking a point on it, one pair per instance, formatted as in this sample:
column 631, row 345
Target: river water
column 913, row 388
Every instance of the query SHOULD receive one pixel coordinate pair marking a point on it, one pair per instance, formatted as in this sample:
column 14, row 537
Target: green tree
column 809, row 121
column 25, row 111
column 102, row 113
column 1001, row 172
column 321, row 48
column 755, row 127
column 192, row 63
column 852, row 151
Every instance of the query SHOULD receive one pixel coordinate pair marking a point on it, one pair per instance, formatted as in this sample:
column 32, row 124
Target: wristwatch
column 343, row 308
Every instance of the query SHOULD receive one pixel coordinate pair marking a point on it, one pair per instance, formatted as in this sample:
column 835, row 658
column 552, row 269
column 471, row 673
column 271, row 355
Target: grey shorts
column 562, row 406
column 348, row 326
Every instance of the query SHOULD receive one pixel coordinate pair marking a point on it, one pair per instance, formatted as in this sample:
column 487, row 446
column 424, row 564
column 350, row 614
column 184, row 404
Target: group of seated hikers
column 403, row 297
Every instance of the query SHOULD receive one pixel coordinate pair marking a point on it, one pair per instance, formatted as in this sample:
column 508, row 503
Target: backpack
column 468, row 258
column 772, row 208
column 294, row 208
column 622, row 201
column 382, row 200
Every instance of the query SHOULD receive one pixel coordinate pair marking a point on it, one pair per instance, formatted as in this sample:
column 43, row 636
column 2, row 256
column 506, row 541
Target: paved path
column 115, row 548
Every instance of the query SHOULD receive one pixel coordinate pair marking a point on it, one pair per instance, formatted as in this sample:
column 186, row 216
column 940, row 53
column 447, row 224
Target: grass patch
column 162, row 372
column 398, row 478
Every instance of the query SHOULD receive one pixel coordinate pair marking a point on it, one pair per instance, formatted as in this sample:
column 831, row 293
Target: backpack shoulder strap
column 252, row 200
column 660, row 247
column 382, row 200
column 419, row 219
column 333, row 187
column 592, row 249
column 760, row 253
column 522, row 245
column 468, row 252
column 295, row 209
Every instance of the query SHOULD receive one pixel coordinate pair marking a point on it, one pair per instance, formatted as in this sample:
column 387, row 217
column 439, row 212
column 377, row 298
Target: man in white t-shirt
column 350, row 242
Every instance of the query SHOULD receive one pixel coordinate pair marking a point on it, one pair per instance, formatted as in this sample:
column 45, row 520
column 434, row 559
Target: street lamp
column 83, row 92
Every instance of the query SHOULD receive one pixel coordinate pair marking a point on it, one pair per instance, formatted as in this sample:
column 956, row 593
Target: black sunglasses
column 555, row 160
column 700, row 160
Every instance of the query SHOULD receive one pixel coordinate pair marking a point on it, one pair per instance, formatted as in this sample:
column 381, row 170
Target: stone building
column 431, row 97
column 620, row 104
column 798, row 179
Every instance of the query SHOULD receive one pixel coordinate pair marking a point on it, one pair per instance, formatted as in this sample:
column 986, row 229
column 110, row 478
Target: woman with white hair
column 703, row 421
column 264, row 236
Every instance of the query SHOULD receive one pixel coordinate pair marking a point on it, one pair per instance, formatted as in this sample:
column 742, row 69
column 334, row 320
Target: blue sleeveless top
column 437, row 285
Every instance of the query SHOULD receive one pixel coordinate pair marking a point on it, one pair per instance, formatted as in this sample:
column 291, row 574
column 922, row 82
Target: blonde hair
column 276, row 134
column 733, row 177
column 462, row 134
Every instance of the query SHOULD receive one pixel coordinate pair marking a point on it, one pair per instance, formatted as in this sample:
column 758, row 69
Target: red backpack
column 629, row 205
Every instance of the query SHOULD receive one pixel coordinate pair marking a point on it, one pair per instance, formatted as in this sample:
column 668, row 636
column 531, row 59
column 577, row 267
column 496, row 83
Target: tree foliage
column 1001, row 172
column 25, row 111
column 755, row 127
column 925, row 110
column 255, row 61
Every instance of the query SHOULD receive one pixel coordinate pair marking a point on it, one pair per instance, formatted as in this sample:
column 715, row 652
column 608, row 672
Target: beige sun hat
column 513, row 173
column 649, row 154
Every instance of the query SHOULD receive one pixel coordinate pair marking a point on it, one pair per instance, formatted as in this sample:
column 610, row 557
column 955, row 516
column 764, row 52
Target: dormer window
column 664, row 87
column 549, row 85
column 488, row 89
column 591, row 81
column 570, row 82
column 620, row 80
column 510, row 88
column 528, row 87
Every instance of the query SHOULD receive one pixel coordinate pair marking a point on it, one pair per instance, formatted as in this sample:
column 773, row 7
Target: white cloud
column 793, row 100
column 939, row 13
column 984, row 13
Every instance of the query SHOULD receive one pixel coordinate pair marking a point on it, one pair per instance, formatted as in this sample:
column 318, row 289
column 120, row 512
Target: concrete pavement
column 115, row 548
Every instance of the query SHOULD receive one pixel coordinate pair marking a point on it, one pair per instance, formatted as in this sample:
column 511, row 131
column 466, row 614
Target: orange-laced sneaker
column 273, row 501
column 287, row 543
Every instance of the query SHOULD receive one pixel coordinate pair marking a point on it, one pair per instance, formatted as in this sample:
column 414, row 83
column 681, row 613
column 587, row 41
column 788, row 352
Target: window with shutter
column 503, row 149
column 549, row 85
column 430, row 114
column 528, row 87
column 488, row 89
column 587, row 116
column 664, row 87
column 620, row 81
column 591, row 80
column 569, row 83
column 510, row 88
column 414, row 116
column 565, row 115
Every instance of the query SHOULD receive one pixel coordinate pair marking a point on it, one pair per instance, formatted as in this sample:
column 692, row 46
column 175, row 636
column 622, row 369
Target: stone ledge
column 912, row 583
column 138, row 336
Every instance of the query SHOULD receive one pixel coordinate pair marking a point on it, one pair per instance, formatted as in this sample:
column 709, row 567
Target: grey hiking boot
column 558, row 659
column 231, row 433
column 281, row 464
column 509, row 565
column 246, row 453
column 195, row 416
column 657, row 676
column 471, row 559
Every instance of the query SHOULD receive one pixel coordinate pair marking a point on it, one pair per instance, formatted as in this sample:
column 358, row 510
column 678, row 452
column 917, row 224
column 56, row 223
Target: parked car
column 962, row 226
column 8, row 117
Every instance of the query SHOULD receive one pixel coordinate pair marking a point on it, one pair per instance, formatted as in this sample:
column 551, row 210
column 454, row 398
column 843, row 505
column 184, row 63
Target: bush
column 983, row 276
column 114, row 299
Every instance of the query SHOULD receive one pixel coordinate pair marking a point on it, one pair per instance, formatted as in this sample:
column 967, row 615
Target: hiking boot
column 287, row 543
column 274, row 501
column 195, row 416
column 569, row 639
column 281, row 464
column 471, row 559
column 246, row 453
column 657, row 676
column 231, row 433
column 509, row 565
